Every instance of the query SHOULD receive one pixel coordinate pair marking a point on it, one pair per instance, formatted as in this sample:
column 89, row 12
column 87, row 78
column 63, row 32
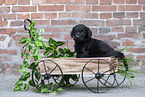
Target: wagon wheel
column 120, row 74
column 68, row 80
column 98, row 81
column 42, row 75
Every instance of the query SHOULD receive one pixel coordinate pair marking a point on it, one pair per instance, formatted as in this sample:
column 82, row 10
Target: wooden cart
column 98, row 74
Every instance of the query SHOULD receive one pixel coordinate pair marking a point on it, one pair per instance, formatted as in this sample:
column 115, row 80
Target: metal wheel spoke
column 117, row 82
column 53, row 69
column 57, row 78
column 44, row 66
column 89, row 70
column 48, row 81
column 98, row 85
column 98, row 65
column 106, row 81
column 106, row 71
column 90, row 80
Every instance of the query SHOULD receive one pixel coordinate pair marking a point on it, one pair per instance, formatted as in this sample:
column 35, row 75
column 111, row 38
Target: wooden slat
column 75, row 65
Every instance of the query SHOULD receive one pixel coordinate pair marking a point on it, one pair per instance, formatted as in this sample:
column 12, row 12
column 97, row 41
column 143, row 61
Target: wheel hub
column 98, row 75
column 47, row 76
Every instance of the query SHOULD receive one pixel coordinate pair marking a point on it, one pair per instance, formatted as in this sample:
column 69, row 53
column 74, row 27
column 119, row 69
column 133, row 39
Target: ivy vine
column 31, row 51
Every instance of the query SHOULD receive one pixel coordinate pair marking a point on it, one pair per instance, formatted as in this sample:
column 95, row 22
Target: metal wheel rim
column 118, row 84
column 43, row 75
column 97, row 79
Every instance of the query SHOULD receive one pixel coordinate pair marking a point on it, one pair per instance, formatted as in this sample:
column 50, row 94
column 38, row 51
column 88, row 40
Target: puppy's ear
column 72, row 33
column 89, row 32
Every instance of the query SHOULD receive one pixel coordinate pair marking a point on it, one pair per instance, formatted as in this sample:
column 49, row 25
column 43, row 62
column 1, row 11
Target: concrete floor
column 79, row 90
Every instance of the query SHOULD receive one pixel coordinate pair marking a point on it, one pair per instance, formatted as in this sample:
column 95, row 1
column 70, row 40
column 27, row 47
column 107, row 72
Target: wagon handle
column 30, row 34
column 25, row 23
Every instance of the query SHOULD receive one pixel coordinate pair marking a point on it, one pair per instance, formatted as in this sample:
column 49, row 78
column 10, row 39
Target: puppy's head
column 80, row 32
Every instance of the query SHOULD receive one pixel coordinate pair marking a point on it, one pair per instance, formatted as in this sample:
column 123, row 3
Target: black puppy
column 86, row 47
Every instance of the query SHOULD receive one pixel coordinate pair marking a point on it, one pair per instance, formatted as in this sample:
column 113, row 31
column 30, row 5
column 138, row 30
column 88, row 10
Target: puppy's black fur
column 86, row 47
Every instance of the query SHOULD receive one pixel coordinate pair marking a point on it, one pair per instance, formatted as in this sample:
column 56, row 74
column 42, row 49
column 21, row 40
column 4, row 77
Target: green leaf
column 42, row 82
column 38, row 55
column 30, row 48
column 26, row 87
column 54, row 46
column 37, row 91
column 53, row 93
column 23, row 71
column 33, row 65
column 39, row 42
column 31, row 83
column 28, row 40
column 22, row 54
column 46, row 53
column 42, row 38
column 121, row 50
column 35, row 50
column 48, row 50
column 38, row 31
column 17, row 88
column 25, row 77
column 38, row 76
column 22, row 41
column 51, row 41
column 55, row 53
column 25, row 64
column 60, row 50
column 45, row 90
column 19, row 83
column 45, row 45
column 25, row 51
column 28, row 56
column 25, row 45
column 59, row 43
column 35, row 58
column 59, row 90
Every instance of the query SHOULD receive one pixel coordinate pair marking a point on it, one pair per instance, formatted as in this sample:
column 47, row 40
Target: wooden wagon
column 98, row 74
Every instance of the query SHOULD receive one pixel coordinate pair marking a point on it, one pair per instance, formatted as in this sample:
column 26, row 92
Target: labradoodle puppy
column 85, row 46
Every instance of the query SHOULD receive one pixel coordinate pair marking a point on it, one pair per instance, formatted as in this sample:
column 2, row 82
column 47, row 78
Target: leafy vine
column 31, row 51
